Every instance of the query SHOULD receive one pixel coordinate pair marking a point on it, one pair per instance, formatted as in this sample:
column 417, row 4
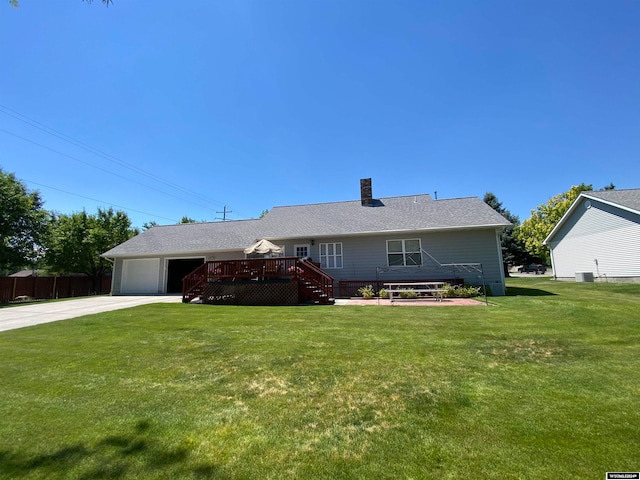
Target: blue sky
column 253, row 104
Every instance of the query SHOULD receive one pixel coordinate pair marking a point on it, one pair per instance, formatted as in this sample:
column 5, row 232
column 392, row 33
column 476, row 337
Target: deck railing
column 258, row 269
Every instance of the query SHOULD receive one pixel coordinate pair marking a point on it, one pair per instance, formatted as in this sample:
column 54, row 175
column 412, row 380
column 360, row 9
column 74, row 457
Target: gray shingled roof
column 418, row 212
column 189, row 238
column 625, row 198
column 394, row 214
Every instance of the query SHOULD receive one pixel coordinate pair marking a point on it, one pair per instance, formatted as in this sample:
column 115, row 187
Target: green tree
column 513, row 251
column 23, row 223
column 149, row 224
column 186, row 219
column 76, row 242
column 263, row 213
column 543, row 219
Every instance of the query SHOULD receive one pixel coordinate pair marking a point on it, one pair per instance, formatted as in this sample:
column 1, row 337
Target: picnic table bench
column 432, row 289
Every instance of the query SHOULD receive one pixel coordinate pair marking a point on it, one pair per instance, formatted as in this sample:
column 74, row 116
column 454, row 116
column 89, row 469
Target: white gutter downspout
column 501, row 259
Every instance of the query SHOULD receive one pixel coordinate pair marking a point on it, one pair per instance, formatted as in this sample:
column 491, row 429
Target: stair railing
column 193, row 282
column 318, row 278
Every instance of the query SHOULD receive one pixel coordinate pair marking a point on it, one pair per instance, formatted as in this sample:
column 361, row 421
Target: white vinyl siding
column 331, row 255
column 601, row 239
column 404, row 253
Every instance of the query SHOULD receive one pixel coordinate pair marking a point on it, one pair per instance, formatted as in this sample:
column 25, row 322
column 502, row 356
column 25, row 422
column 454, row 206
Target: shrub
column 408, row 294
column 461, row 291
column 383, row 293
column 366, row 292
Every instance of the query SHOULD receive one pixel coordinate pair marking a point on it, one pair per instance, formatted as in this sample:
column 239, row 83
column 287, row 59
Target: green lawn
column 545, row 383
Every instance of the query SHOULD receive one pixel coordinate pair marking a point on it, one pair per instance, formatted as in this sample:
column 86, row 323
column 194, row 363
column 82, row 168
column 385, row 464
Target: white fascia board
column 613, row 204
column 183, row 253
column 564, row 218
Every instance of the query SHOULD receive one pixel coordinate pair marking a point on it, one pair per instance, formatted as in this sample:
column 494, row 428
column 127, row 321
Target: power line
column 100, row 168
column 99, row 201
column 53, row 132
column 95, row 151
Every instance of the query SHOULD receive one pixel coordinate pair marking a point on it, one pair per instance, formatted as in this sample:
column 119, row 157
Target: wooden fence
column 46, row 288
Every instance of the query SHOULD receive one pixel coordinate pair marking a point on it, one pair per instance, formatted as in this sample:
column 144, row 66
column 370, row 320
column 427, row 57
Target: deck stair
column 314, row 284
column 193, row 284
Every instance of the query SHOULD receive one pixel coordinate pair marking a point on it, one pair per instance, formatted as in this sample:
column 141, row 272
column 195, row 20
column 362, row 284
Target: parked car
column 537, row 269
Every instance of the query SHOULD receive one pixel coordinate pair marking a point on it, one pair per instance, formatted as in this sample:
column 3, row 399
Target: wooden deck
column 312, row 283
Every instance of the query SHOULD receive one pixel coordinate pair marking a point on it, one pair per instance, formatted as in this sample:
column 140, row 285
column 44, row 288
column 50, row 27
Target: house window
column 331, row 255
column 404, row 253
column 301, row 251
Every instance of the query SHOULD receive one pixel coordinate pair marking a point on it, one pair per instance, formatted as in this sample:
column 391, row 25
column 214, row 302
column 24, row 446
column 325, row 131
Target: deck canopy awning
column 262, row 247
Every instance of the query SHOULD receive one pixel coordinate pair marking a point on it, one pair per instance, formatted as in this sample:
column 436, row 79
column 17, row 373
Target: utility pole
column 224, row 214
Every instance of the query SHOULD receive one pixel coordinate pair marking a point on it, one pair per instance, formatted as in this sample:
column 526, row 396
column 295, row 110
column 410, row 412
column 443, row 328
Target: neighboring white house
column 387, row 238
column 598, row 236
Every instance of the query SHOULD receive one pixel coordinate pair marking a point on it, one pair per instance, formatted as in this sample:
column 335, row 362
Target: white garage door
column 140, row 276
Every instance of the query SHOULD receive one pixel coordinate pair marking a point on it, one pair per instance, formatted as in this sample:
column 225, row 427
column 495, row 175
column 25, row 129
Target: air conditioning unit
column 584, row 276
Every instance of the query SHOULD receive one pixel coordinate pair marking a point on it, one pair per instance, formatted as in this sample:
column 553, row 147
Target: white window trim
column 334, row 255
column 404, row 252
column 295, row 248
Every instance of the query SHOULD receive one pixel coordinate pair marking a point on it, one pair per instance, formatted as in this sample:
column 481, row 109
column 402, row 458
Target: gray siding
column 225, row 255
column 362, row 255
column 602, row 233
column 118, row 270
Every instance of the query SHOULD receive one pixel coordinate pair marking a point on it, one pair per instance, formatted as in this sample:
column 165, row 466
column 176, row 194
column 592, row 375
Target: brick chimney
column 366, row 193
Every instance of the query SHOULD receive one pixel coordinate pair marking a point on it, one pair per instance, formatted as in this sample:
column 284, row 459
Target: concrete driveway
column 37, row 313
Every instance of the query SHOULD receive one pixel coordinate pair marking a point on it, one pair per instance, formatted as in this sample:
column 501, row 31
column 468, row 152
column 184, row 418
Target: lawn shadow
column 114, row 456
column 527, row 292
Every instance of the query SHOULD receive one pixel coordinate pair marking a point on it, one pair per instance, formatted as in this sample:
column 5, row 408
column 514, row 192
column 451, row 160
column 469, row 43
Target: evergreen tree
column 513, row 251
